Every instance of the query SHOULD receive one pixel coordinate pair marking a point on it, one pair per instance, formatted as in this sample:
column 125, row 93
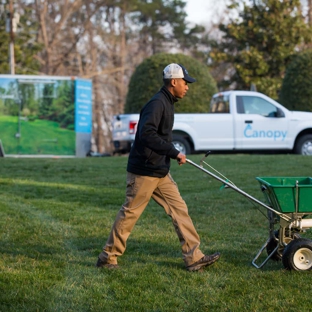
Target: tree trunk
column 310, row 12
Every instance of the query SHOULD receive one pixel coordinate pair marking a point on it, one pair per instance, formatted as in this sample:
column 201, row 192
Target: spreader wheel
column 298, row 255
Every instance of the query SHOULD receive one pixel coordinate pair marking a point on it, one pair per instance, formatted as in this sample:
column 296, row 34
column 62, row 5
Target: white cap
column 174, row 70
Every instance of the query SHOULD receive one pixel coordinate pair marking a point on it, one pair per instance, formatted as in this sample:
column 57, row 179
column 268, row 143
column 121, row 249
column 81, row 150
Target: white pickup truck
column 237, row 121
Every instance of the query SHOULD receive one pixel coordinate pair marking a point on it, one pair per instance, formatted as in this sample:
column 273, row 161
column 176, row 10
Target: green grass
column 37, row 137
column 55, row 216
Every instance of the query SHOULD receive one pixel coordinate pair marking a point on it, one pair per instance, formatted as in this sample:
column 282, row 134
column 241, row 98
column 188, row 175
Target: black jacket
column 152, row 148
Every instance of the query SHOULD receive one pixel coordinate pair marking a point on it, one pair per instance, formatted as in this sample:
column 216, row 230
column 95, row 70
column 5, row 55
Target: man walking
column 148, row 176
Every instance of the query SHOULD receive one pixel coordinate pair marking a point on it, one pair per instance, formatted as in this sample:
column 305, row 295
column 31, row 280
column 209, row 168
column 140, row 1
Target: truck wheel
column 181, row 144
column 298, row 255
column 304, row 145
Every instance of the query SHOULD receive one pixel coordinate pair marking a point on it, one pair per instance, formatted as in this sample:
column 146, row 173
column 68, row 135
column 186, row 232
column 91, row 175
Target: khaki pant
column 138, row 193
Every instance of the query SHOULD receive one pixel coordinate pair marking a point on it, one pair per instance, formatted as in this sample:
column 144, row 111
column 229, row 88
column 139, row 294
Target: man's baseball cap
column 174, row 70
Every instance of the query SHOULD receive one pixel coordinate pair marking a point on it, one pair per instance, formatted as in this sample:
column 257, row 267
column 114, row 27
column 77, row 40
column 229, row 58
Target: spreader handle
column 235, row 188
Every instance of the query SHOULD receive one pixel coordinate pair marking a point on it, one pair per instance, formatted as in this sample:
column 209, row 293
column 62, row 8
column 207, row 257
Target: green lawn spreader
column 289, row 210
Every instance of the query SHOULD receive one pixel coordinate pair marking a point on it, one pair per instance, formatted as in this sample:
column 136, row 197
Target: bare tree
column 103, row 40
column 309, row 12
column 57, row 34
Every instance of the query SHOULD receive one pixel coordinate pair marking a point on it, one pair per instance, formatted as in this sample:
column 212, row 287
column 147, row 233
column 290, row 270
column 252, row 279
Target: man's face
column 180, row 87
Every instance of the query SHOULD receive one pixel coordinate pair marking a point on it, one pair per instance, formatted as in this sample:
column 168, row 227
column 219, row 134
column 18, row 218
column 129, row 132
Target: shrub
column 147, row 80
column 296, row 92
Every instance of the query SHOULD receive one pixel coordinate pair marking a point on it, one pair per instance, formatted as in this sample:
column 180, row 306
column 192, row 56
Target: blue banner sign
column 83, row 106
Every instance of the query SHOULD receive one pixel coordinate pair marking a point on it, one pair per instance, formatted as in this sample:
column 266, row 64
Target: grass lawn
column 38, row 137
column 55, row 216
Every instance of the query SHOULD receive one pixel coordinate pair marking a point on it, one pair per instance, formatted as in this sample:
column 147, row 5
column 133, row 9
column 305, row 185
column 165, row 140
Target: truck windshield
column 219, row 104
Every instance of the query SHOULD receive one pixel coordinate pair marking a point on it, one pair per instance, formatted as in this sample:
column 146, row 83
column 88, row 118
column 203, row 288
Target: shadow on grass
column 140, row 252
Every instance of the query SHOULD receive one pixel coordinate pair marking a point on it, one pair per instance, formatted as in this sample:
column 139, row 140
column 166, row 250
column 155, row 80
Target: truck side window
column 219, row 105
column 255, row 105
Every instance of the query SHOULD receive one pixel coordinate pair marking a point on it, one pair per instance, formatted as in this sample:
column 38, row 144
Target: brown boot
column 203, row 262
column 103, row 264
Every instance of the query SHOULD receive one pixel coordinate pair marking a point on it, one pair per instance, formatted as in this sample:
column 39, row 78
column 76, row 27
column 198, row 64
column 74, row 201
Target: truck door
column 259, row 124
column 215, row 130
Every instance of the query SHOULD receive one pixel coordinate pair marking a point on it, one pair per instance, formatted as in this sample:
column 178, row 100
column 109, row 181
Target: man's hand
column 181, row 158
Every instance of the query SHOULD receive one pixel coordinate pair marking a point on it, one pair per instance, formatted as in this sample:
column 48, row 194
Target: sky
column 204, row 11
